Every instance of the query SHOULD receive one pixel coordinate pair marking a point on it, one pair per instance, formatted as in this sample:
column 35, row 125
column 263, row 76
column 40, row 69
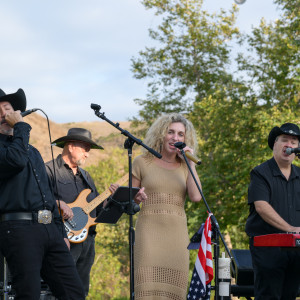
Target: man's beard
column 80, row 162
column 6, row 130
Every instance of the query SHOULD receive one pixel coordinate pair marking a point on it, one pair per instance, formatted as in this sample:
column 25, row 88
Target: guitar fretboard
column 99, row 199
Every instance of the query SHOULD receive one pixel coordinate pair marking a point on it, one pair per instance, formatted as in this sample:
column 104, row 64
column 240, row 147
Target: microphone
column 188, row 154
column 23, row 114
column 95, row 106
column 192, row 157
column 289, row 151
column 28, row 112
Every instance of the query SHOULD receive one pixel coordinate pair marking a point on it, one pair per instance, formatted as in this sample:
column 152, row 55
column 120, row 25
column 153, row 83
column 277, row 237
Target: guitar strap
column 86, row 179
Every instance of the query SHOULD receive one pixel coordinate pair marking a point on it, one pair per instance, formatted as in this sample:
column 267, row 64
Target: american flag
column 203, row 271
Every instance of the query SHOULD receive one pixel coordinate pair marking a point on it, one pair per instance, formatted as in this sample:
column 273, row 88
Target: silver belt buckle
column 44, row 216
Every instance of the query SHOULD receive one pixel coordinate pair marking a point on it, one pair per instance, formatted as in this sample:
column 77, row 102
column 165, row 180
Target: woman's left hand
column 140, row 196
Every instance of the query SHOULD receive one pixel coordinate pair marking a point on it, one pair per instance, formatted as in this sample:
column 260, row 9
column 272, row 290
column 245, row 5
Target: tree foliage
column 233, row 107
column 233, row 130
column 110, row 272
column 191, row 57
column 234, row 140
column 272, row 66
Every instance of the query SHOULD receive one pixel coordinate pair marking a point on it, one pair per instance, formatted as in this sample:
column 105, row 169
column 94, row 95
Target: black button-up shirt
column 24, row 184
column 269, row 184
column 68, row 186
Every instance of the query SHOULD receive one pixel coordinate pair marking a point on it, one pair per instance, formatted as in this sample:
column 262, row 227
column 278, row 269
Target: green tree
column 110, row 272
column 191, row 57
column 272, row 66
column 233, row 139
column 232, row 109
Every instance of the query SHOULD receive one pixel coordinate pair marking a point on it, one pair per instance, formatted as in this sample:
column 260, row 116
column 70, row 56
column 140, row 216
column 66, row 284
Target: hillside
column 102, row 132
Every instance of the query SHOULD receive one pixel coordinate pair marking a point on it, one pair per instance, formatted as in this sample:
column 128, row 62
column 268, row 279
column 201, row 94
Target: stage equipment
column 290, row 151
column 24, row 113
column 6, row 290
column 131, row 207
column 77, row 228
column 277, row 240
column 242, row 271
column 216, row 234
column 117, row 204
column 224, row 276
column 5, row 279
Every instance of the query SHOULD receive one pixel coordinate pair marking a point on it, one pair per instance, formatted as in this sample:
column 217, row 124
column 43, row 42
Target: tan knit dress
column 161, row 258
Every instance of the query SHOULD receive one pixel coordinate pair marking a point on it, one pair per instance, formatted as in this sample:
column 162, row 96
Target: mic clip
column 180, row 145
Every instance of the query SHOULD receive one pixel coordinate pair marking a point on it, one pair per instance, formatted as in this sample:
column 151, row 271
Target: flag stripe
column 203, row 271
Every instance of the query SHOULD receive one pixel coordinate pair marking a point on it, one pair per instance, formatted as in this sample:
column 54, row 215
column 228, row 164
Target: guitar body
column 78, row 228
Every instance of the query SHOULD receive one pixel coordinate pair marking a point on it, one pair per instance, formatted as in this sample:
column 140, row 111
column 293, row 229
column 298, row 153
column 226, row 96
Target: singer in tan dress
column 161, row 258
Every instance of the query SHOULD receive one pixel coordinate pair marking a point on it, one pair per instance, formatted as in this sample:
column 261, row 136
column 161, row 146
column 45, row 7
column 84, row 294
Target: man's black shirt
column 270, row 185
column 24, row 184
column 67, row 186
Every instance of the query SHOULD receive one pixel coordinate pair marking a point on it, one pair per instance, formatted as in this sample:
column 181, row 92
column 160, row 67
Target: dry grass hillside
column 102, row 132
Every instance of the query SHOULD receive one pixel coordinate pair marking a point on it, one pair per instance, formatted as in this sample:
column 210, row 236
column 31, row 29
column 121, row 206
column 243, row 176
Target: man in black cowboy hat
column 32, row 237
column 68, row 180
column 274, row 199
column 18, row 102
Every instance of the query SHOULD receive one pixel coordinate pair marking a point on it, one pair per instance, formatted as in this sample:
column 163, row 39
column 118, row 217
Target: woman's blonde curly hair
column 158, row 130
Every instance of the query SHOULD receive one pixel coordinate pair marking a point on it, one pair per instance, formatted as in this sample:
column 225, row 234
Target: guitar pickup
column 72, row 223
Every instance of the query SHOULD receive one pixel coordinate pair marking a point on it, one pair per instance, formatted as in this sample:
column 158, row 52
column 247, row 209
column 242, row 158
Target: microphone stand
column 132, row 209
column 215, row 226
column 6, row 286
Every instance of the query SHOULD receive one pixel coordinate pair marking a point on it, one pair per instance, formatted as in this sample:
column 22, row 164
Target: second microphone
column 188, row 154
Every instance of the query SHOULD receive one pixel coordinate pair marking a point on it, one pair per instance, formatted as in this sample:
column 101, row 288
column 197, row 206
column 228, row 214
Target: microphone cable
column 54, row 170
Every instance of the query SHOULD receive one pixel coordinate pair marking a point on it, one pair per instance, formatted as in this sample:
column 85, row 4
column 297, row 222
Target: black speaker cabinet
column 241, row 267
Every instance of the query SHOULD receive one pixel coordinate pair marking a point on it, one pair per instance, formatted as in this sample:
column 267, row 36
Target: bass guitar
column 78, row 227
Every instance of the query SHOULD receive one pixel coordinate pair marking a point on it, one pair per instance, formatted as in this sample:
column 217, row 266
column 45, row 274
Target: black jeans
column 276, row 272
column 84, row 255
column 34, row 250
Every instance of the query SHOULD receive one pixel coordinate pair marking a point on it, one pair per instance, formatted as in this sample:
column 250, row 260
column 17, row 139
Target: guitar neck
column 99, row 199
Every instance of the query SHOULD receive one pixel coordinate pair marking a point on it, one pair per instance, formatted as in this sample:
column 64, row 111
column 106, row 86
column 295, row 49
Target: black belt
column 18, row 216
column 30, row 216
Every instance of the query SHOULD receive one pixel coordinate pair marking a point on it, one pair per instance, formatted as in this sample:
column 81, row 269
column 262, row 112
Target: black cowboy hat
column 17, row 99
column 287, row 128
column 77, row 134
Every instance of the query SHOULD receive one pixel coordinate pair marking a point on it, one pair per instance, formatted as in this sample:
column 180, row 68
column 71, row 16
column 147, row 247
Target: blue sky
column 67, row 54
